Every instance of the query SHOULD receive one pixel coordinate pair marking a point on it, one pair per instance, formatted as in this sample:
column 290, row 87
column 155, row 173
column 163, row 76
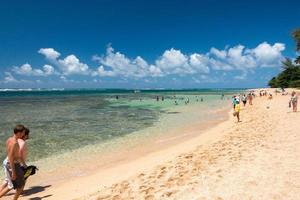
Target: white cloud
column 27, row 70
column 155, row 71
column 238, row 58
column 171, row 62
column 9, row 78
column 267, row 55
column 49, row 53
column 241, row 58
column 48, row 70
column 71, row 65
column 200, row 62
column 242, row 76
column 117, row 64
column 101, row 72
column 175, row 62
column 218, row 53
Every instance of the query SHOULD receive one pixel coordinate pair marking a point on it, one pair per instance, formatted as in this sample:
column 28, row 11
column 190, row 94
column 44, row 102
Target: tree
column 273, row 83
column 296, row 35
column 290, row 76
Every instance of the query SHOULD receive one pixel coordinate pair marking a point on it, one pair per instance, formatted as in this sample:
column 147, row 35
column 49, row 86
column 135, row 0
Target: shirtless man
column 12, row 166
column 23, row 148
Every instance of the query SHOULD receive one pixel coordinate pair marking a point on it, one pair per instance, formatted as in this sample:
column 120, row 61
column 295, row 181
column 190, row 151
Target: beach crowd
column 248, row 97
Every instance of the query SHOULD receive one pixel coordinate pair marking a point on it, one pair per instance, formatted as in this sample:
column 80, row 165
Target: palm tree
column 290, row 76
column 297, row 60
column 296, row 35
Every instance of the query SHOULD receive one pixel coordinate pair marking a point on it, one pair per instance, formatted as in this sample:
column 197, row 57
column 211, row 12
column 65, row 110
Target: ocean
column 62, row 120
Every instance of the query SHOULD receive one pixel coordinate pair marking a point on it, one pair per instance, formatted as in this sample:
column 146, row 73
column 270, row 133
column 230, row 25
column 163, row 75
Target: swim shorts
column 19, row 182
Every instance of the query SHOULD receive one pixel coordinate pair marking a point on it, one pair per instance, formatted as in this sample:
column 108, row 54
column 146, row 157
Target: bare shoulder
column 21, row 142
column 11, row 142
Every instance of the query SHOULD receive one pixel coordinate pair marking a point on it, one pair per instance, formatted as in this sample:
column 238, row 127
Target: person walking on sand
column 23, row 151
column 233, row 101
column 250, row 97
column 14, row 174
column 244, row 99
column 293, row 101
column 237, row 109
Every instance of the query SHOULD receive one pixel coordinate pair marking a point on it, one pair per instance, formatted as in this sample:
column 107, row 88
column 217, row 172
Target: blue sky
column 144, row 44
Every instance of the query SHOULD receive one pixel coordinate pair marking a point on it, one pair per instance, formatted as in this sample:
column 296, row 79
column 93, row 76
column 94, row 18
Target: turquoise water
column 65, row 120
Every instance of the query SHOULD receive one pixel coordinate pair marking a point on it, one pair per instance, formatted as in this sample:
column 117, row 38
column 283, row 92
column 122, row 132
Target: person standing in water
column 12, row 165
column 222, row 96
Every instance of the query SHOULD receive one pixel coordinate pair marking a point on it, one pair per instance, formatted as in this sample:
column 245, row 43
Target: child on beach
column 237, row 109
column 293, row 101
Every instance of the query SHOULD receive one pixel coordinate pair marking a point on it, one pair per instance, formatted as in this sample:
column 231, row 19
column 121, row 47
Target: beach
column 257, row 158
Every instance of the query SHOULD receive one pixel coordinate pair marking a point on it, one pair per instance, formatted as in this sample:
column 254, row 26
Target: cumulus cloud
column 48, row 70
column 27, row 70
column 69, row 65
column 242, row 76
column 117, row 64
column 174, row 62
column 9, row 78
column 200, row 63
column 267, row 55
column 72, row 65
column 49, row 53
column 171, row 62
column 241, row 58
column 218, row 53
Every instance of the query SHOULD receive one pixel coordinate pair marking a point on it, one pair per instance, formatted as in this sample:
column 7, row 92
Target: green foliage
column 296, row 35
column 290, row 76
column 297, row 60
column 273, row 82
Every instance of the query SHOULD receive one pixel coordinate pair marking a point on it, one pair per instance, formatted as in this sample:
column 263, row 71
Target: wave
column 29, row 89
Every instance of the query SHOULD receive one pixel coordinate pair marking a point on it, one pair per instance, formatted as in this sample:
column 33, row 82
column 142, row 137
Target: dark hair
column 19, row 128
column 27, row 131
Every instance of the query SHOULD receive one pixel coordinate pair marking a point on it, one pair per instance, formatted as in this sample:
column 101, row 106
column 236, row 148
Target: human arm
column 11, row 158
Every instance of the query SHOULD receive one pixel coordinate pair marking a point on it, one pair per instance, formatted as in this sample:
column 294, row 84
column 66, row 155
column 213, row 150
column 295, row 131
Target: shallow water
column 63, row 121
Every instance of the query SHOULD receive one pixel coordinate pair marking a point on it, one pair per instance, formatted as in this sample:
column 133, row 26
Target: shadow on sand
column 39, row 198
column 35, row 190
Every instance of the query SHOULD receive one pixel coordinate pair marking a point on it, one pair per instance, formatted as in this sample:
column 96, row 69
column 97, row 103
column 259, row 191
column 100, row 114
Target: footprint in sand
column 169, row 193
column 148, row 190
column 149, row 197
column 116, row 197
